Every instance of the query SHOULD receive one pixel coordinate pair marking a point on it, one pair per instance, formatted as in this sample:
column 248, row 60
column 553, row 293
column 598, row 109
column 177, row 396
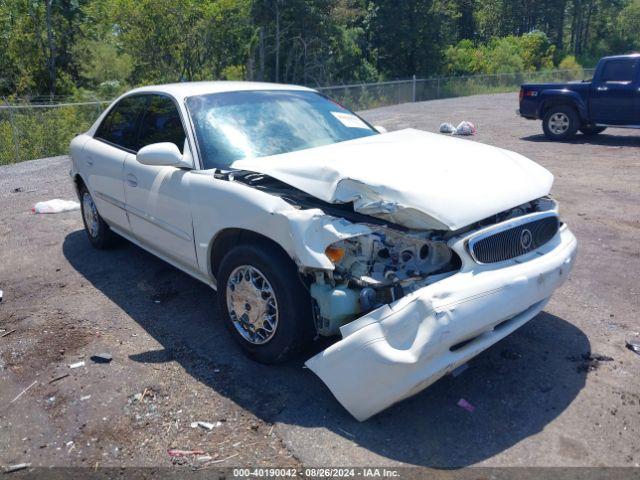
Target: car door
column 103, row 156
column 157, row 198
column 614, row 93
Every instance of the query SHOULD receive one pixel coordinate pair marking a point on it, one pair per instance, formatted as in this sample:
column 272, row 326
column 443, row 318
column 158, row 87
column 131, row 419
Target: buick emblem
column 526, row 239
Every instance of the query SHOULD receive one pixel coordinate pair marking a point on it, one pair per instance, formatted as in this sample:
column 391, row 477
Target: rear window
column 622, row 71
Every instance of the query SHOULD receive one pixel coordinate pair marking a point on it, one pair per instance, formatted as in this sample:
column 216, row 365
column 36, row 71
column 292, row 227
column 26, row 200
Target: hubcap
column 559, row 123
column 90, row 214
column 252, row 305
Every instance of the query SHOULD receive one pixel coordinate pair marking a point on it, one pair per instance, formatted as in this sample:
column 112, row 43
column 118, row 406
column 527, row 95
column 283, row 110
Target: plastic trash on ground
column 633, row 346
column 447, row 128
column 466, row 405
column 55, row 206
column 465, row 128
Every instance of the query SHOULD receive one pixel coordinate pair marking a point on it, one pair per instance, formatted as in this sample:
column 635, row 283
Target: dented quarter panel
column 417, row 179
column 401, row 348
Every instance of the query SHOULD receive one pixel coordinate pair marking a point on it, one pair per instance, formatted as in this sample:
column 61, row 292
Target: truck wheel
column 263, row 303
column 561, row 122
column 99, row 233
column 589, row 131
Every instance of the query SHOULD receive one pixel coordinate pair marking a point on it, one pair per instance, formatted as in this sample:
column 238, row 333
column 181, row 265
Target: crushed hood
column 413, row 178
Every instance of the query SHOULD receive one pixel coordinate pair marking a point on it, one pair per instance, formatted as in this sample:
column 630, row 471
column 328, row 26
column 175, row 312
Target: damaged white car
column 414, row 251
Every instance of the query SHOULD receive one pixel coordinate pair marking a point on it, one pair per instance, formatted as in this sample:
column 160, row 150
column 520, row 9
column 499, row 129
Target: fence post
column 413, row 96
column 437, row 88
column 14, row 129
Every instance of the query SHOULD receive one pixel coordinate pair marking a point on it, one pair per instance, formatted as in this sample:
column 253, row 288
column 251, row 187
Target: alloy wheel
column 252, row 304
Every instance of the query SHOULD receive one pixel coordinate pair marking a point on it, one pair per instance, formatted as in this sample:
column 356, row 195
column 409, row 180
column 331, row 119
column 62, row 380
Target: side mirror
column 165, row 154
column 380, row 128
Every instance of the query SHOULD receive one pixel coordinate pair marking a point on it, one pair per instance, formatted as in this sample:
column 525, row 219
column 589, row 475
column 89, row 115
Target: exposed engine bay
column 378, row 268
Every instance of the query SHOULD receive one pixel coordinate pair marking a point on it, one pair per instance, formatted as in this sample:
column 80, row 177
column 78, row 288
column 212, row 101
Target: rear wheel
column 561, row 122
column 263, row 303
column 99, row 233
column 589, row 131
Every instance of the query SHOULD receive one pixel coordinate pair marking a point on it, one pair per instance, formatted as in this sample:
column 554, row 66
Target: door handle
column 132, row 180
column 602, row 88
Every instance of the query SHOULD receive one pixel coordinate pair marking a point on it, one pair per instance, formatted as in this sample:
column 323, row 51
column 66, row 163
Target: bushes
column 42, row 132
column 527, row 53
column 571, row 65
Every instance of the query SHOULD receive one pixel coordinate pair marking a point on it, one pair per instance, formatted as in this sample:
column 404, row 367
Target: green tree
column 628, row 26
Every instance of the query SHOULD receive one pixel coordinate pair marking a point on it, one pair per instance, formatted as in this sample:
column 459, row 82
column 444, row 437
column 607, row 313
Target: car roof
column 188, row 89
column 622, row 57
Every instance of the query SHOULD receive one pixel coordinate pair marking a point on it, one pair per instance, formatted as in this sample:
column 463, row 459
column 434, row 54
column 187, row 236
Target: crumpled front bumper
column 401, row 348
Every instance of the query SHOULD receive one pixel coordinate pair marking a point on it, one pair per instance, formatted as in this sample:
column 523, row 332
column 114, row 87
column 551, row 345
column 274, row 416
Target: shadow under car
column 518, row 386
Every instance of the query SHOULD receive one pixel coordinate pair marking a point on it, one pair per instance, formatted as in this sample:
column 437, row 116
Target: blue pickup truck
column 611, row 98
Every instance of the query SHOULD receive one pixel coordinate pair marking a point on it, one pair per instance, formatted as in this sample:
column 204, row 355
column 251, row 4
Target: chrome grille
column 513, row 238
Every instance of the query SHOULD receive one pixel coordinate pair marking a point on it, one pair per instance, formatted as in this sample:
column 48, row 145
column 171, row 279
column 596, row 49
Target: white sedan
column 412, row 250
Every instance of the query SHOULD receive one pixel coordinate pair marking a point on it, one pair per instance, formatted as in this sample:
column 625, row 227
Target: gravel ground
column 540, row 398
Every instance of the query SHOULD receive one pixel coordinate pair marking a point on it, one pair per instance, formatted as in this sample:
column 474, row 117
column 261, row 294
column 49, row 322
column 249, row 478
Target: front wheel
column 560, row 122
column 590, row 131
column 263, row 303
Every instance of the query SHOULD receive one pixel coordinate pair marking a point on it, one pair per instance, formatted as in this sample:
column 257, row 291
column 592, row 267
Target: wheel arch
column 228, row 238
column 78, row 183
column 569, row 99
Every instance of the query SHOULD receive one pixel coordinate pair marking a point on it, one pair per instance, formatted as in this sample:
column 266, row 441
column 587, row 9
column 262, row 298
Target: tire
column 560, row 122
column 590, row 131
column 261, row 278
column 98, row 232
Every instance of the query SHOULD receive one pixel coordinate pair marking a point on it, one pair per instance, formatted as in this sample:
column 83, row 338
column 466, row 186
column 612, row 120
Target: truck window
column 620, row 71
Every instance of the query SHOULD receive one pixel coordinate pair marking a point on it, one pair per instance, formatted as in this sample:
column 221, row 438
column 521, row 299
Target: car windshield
column 251, row 124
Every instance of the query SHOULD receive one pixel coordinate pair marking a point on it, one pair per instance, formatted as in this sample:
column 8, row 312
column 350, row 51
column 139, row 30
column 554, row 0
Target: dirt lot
column 538, row 400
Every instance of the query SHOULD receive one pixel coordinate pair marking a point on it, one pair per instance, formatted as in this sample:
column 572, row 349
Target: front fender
column 218, row 205
column 562, row 97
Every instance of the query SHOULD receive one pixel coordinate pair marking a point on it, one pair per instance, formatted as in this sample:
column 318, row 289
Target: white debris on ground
column 16, row 468
column 464, row 128
column 206, row 425
column 447, row 128
column 55, row 206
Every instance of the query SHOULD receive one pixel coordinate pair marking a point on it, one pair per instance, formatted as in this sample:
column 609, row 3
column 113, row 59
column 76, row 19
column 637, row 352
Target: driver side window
column 620, row 71
column 161, row 123
column 120, row 126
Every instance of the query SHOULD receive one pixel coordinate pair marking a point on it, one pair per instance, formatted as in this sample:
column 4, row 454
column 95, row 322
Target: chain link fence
column 371, row 95
column 43, row 127
column 35, row 130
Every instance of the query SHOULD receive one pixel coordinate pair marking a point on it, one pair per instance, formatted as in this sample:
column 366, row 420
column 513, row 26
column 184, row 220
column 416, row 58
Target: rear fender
column 549, row 98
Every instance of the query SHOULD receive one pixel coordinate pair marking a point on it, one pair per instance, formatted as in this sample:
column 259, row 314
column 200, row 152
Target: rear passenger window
column 120, row 126
column 161, row 123
column 620, row 71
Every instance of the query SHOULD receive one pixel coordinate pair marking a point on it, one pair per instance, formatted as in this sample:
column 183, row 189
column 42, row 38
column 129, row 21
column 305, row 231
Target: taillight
column 527, row 93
